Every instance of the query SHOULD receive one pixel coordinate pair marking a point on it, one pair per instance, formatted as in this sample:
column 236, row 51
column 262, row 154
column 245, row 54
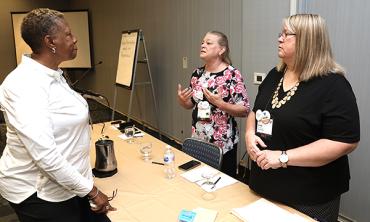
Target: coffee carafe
column 105, row 162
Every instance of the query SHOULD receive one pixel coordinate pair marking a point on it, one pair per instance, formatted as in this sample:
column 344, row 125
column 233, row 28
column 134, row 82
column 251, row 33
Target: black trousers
column 76, row 209
column 229, row 162
column 325, row 212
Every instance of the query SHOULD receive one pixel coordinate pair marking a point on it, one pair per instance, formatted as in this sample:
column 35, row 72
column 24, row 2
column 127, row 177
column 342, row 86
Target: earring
column 53, row 50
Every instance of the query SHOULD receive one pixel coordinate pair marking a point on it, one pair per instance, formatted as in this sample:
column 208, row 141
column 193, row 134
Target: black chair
column 2, row 132
column 206, row 152
column 2, row 137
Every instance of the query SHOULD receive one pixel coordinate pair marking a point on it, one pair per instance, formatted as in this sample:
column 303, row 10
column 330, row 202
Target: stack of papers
column 263, row 210
column 195, row 176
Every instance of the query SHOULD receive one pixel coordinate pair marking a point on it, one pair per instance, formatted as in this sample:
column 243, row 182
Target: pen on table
column 214, row 184
column 157, row 163
column 138, row 134
column 115, row 122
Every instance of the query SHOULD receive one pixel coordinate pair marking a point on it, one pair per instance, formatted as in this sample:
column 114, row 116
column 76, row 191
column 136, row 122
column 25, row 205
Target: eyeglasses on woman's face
column 285, row 34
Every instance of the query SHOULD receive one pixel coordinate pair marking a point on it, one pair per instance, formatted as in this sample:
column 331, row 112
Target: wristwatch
column 284, row 159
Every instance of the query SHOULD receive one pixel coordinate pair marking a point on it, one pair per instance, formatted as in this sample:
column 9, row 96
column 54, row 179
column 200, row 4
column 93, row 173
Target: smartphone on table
column 189, row 165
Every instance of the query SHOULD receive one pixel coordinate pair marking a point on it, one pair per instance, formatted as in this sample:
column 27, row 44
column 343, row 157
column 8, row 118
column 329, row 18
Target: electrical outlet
column 258, row 78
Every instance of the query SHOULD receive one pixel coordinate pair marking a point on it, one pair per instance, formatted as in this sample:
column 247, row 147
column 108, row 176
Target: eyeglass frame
column 284, row 35
column 114, row 194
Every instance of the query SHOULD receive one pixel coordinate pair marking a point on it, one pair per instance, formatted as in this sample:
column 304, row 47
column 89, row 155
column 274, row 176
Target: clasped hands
column 265, row 159
column 100, row 202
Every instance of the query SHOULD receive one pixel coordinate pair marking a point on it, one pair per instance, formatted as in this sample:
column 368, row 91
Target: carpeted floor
column 98, row 113
column 6, row 212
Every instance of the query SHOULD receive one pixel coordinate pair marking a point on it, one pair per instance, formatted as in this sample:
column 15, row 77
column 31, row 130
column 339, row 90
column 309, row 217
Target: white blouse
column 48, row 136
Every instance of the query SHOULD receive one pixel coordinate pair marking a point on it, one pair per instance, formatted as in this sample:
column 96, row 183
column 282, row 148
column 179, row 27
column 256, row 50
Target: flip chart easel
column 126, row 70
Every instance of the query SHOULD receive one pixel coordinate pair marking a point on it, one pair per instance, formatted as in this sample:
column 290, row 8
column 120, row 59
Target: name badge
column 204, row 110
column 264, row 122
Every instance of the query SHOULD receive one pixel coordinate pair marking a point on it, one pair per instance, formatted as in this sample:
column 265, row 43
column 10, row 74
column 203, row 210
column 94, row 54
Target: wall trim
column 342, row 218
column 293, row 7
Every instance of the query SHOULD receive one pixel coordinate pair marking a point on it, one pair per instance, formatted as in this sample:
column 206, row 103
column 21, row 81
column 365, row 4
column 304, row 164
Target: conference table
column 143, row 192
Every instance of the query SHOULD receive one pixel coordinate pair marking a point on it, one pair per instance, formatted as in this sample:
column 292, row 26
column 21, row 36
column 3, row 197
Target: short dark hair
column 37, row 24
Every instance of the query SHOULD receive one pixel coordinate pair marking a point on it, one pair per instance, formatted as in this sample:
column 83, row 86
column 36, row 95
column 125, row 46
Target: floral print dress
column 221, row 128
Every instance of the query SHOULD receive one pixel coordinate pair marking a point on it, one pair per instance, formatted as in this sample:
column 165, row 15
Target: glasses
column 114, row 194
column 285, row 35
column 129, row 132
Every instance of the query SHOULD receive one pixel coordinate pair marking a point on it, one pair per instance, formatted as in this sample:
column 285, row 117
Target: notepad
column 205, row 215
column 187, row 216
column 263, row 210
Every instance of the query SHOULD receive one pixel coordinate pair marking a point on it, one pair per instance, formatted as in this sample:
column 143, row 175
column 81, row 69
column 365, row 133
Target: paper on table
column 195, row 176
column 257, row 212
column 205, row 215
column 224, row 181
column 115, row 126
column 137, row 134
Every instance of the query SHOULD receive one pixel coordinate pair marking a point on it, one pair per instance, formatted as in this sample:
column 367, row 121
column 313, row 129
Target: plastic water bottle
column 169, row 162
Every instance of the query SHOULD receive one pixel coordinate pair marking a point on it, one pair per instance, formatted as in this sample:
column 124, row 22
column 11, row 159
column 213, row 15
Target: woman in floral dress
column 216, row 94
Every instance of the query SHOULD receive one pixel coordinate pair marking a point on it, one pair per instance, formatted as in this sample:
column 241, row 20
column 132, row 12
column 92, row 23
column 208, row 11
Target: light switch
column 185, row 62
column 258, row 78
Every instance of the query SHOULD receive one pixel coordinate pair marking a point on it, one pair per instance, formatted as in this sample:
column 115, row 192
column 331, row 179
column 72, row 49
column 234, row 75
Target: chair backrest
column 206, row 152
column 2, row 138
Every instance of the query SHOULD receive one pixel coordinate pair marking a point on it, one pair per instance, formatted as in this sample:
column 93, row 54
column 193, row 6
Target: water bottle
column 169, row 163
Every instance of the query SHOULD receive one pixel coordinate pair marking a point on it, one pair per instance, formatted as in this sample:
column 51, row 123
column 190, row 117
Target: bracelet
column 97, row 192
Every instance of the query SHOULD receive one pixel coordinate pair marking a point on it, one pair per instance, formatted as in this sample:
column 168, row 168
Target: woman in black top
column 304, row 123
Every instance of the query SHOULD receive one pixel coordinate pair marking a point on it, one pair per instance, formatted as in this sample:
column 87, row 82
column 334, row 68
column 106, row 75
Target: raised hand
column 184, row 95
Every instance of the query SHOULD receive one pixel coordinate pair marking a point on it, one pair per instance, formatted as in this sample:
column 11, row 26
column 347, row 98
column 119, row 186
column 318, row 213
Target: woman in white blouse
column 45, row 171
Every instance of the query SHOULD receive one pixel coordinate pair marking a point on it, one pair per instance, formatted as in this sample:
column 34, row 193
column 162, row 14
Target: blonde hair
column 222, row 41
column 313, row 54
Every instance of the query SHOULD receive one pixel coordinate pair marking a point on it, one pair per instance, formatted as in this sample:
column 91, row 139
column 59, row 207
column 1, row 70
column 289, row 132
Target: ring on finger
column 107, row 207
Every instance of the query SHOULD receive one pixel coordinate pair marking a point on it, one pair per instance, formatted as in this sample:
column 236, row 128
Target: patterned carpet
column 6, row 212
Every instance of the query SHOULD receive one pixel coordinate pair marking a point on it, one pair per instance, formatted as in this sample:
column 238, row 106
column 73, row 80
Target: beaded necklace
column 275, row 102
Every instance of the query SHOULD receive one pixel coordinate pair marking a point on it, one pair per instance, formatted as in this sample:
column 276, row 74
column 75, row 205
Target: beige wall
column 7, row 51
column 173, row 29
